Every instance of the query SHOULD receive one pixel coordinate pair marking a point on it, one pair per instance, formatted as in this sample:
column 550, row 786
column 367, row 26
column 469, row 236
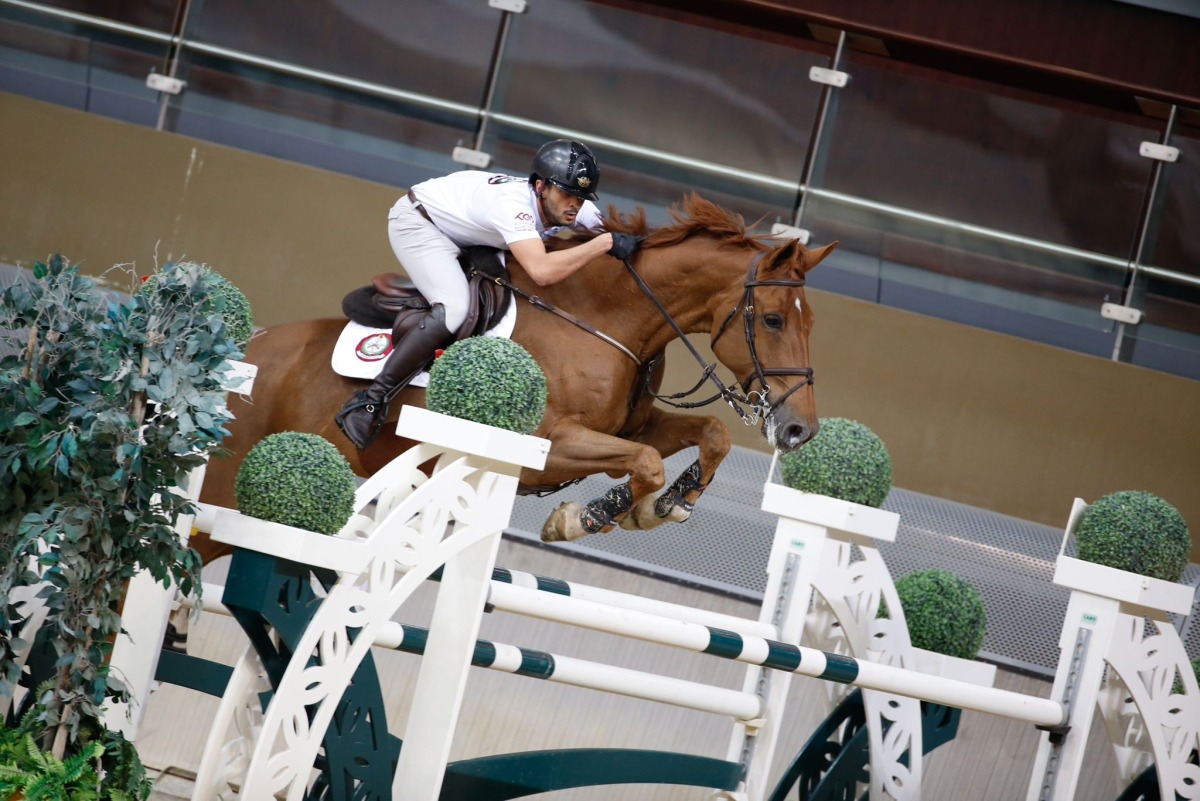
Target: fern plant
column 40, row 776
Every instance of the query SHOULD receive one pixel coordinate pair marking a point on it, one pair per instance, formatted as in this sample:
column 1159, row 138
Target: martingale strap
column 566, row 315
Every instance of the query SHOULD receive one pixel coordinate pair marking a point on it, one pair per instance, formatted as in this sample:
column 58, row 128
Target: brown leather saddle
column 392, row 301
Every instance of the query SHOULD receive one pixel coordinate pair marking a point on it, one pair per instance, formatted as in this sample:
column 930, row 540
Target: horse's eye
column 773, row 321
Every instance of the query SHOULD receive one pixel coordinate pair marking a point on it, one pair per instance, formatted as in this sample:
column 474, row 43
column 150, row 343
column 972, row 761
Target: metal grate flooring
column 725, row 544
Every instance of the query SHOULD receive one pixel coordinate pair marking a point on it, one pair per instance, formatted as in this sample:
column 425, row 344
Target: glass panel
column 968, row 202
column 440, row 48
column 742, row 104
column 26, row 48
column 158, row 15
column 102, row 73
column 372, row 131
column 1169, row 337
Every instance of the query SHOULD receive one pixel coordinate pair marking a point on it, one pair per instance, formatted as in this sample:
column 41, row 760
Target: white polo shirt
column 479, row 208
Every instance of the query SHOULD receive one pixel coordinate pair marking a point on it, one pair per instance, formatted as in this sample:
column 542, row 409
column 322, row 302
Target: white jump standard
column 448, row 526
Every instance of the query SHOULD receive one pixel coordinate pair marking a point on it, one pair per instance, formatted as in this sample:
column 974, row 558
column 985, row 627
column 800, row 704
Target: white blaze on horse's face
column 799, row 306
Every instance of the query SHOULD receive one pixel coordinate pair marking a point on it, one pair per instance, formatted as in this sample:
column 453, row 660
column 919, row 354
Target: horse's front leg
column 580, row 451
column 668, row 433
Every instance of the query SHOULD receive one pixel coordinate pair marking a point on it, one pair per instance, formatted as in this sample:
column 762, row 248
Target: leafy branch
column 106, row 406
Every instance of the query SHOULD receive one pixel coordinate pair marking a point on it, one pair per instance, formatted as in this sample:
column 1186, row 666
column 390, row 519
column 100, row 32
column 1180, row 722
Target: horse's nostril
column 793, row 435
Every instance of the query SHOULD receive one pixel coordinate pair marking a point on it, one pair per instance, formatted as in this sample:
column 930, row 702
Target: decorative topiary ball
column 235, row 308
column 1135, row 531
column 944, row 613
column 297, row 479
column 844, row 460
column 491, row 381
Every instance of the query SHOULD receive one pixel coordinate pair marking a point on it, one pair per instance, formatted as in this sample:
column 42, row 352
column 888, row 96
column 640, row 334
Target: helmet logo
column 583, row 181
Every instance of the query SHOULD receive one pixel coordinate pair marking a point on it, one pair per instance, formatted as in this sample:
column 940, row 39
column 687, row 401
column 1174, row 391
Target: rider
column 430, row 226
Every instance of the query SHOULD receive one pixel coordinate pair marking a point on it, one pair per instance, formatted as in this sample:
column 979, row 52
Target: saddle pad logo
column 374, row 347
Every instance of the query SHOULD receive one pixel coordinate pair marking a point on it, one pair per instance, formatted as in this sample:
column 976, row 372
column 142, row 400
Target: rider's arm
column 550, row 267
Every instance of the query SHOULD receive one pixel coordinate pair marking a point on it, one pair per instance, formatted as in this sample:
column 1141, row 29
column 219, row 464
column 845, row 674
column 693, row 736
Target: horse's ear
column 790, row 252
column 812, row 258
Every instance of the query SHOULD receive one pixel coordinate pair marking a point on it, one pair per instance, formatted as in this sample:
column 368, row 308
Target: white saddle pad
column 361, row 350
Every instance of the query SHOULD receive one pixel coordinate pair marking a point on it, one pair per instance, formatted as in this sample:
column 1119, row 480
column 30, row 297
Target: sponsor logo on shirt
column 525, row 216
column 495, row 180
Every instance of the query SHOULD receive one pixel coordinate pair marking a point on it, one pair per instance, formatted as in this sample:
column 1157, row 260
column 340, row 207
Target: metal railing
column 483, row 115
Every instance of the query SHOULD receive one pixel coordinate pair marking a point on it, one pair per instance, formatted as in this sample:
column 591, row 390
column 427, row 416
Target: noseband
column 757, row 400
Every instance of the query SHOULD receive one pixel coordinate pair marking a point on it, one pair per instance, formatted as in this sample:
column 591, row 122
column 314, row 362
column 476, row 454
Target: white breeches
column 431, row 260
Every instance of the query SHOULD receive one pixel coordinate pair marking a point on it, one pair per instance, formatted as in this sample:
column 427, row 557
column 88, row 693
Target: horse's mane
column 693, row 215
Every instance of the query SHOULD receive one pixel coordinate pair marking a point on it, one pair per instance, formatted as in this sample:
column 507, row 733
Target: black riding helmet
column 570, row 166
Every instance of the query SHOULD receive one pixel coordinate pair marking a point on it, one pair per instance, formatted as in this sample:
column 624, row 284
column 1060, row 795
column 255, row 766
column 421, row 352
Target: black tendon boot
column 362, row 417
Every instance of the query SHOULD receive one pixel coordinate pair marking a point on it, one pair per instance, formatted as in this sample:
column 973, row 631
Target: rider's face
column 558, row 208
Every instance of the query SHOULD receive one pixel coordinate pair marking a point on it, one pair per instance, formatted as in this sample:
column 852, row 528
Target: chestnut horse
column 703, row 274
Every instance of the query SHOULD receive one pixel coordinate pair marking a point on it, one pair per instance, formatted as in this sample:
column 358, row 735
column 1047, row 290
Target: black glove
column 624, row 246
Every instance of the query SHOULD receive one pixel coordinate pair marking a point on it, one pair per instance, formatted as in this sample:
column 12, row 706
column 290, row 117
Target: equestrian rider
column 430, row 225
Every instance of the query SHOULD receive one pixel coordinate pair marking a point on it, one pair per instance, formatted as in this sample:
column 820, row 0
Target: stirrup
column 357, row 401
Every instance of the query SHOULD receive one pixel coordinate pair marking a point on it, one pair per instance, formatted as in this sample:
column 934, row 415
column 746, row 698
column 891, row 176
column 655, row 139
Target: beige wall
column 972, row 416
column 293, row 238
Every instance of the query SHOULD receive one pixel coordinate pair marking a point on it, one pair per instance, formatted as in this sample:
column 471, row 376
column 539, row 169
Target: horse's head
column 764, row 340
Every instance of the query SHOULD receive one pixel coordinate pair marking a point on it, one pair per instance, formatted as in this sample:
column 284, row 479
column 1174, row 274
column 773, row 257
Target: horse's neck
column 607, row 296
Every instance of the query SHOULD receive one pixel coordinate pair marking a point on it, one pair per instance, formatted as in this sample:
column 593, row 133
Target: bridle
column 757, row 400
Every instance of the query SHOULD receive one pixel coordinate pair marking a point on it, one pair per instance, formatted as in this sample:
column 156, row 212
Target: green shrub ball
column 489, row 380
column 299, row 480
column 1135, row 531
column 232, row 303
column 944, row 613
column 845, row 460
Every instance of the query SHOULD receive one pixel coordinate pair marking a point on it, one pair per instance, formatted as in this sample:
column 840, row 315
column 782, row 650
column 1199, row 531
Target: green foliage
column 844, row 460
column 1135, row 531
column 1178, row 686
column 491, row 381
column 226, row 299
column 944, row 613
column 104, row 767
column 297, row 479
column 105, row 407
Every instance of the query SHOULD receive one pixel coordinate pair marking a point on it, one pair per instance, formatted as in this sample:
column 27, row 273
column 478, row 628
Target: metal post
column 1126, row 337
column 827, row 107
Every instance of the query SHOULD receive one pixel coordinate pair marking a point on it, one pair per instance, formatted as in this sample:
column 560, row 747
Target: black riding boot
column 362, row 417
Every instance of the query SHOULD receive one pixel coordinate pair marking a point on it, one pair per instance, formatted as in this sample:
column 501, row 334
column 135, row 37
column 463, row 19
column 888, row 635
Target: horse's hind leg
column 670, row 433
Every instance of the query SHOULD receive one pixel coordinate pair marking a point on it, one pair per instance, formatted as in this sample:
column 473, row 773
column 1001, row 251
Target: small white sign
column 1122, row 314
column 472, row 158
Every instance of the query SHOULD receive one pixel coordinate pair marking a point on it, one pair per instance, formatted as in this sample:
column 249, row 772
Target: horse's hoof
column 563, row 524
column 643, row 517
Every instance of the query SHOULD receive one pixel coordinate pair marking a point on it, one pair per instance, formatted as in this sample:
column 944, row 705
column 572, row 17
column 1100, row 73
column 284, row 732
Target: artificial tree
column 944, row 613
column 234, row 306
column 845, row 460
column 106, row 405
column 297, row 479
column 489, row 380
column 1135, row 531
